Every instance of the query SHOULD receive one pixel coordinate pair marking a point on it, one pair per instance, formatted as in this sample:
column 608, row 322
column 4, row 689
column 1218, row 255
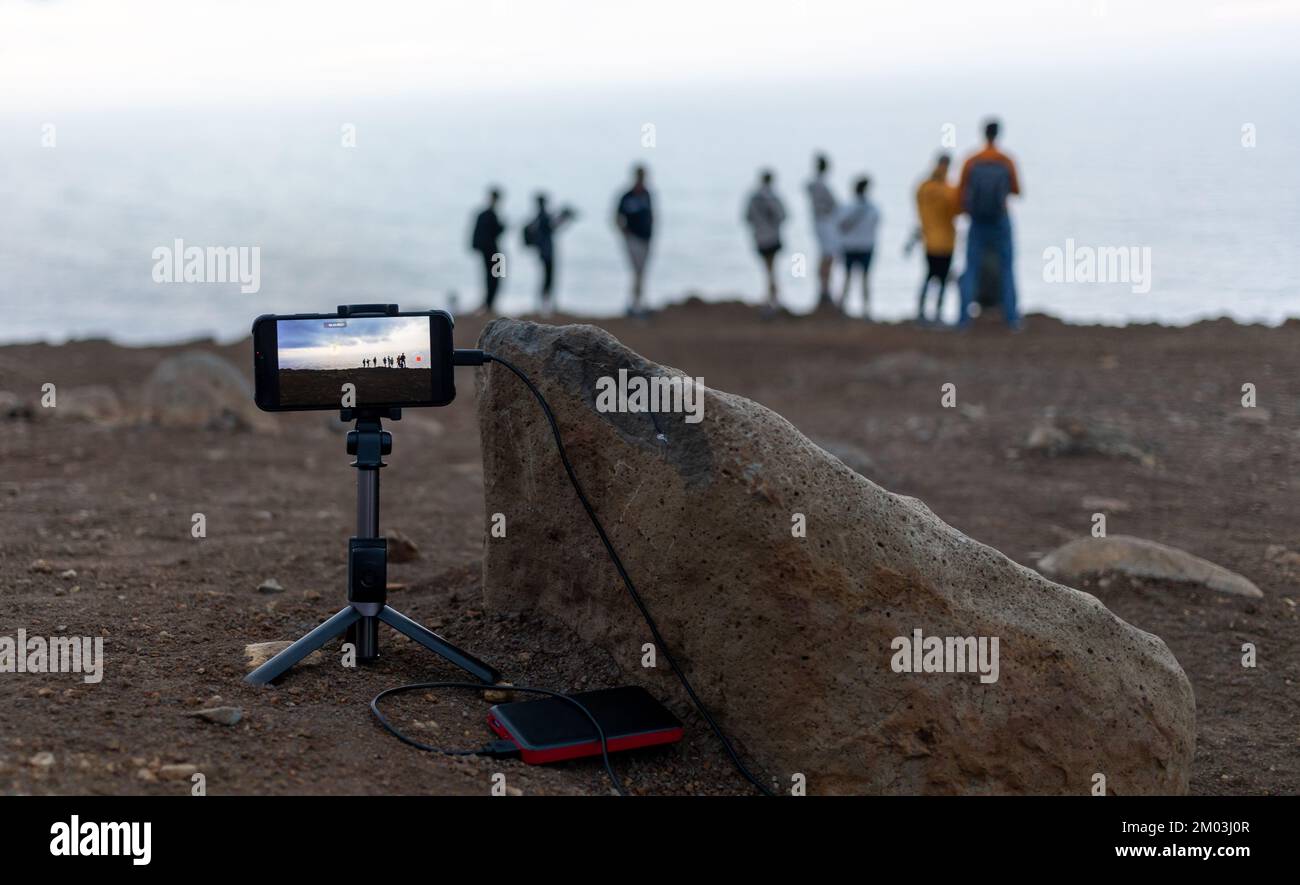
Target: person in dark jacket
column 540, row 234
column 487, row 229
column 635, row 218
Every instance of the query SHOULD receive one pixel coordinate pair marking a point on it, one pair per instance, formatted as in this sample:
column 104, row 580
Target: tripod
column 368, row 572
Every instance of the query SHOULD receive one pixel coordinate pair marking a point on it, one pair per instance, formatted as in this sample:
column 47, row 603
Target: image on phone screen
column 387, row 358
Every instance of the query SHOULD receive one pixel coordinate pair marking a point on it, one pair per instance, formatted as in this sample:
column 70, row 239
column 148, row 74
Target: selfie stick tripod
column 368, row 571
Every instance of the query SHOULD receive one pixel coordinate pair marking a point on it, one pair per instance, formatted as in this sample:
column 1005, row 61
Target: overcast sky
column 57, row 54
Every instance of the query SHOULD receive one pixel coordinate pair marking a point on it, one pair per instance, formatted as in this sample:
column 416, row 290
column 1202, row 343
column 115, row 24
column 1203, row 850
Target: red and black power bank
column 553, row 730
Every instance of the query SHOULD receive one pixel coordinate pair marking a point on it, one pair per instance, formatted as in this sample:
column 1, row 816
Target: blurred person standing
column 540, row 234
column 937, row 206
column 824, row 209
column 765, row 213
column 487, row 230
column 988, row 178
column 635, row 218
column 857, row 224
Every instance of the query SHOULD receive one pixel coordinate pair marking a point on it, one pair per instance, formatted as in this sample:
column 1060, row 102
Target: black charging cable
column 502, row 749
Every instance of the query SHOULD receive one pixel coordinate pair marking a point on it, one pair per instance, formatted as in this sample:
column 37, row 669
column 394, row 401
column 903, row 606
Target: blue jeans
column 984, row 235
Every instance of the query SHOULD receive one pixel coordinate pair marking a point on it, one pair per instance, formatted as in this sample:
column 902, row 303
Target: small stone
column 1252, row 415
column 400, row 547
column 270, row 585
column 1095, row 503
column 180, row 771
column 220, row 715
column 498, row 696
column 97, row 404
column 68, row 573
column 1066, row 436
column 146, row 775
column 40, row 566
column 1139, row 558
column 851, row 456
column 1282, row 556
column 258, row 653
column 514, row 791
column 43, row 760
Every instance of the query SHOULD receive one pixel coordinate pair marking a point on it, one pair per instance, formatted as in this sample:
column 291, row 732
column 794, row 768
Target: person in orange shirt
column 988, row 178
column 937, row 205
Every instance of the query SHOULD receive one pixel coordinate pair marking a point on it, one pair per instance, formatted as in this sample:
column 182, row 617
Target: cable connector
column 467, row 357
column 501, row 749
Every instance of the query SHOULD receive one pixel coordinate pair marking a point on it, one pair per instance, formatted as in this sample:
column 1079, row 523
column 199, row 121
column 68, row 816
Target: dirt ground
column 114, row 504
column 315, row 386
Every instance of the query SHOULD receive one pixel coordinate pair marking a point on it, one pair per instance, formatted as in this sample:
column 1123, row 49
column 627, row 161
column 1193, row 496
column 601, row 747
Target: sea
column 1191, row 173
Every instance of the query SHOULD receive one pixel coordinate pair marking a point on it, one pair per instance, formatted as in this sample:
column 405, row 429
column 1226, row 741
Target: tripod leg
column 435, row 643
column 303, row 647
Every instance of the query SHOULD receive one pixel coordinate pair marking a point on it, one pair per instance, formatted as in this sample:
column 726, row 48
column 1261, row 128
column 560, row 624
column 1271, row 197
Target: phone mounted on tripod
column 368, row 443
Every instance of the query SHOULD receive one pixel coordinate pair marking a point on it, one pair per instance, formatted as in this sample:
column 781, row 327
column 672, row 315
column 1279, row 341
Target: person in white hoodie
column 825, row 210
column 857, row 225
column 765, row 213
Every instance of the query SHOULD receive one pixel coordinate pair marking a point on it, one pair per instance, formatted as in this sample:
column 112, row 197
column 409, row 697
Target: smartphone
column 304, row 362
column 553, row 730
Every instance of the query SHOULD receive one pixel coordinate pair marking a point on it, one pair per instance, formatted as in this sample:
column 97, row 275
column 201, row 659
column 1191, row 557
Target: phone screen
column 376, row 360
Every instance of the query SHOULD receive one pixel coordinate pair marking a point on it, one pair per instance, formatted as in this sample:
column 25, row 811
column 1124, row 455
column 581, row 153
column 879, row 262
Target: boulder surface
column 783, row 582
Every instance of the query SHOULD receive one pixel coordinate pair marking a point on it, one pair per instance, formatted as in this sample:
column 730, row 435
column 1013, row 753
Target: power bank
column 553, row 730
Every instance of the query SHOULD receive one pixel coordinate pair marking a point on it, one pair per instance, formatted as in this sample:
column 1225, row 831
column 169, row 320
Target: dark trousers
column 491, row 282
column 548, row 276
column 996, row 237
column 937, row 269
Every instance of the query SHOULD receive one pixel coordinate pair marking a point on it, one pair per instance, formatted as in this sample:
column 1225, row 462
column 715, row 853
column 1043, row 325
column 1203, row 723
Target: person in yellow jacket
column 938, row 204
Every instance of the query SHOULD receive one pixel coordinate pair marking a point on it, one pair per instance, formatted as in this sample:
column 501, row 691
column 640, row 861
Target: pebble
column 270, row 585
column 220, row 715
column 400, row 547
column 498, row 695
column 43, row 760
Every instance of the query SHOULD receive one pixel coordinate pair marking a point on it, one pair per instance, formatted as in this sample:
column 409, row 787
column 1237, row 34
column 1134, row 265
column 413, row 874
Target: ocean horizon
column 371, row 201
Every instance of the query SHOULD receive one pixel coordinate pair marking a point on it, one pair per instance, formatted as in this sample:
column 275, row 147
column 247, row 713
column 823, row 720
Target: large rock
column 1140, row 558
column 790, row 639
column 96, row 403
column 200, row 390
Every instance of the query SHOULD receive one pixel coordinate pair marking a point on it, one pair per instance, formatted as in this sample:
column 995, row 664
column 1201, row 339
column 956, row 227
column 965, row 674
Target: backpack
column 987, row 188
column 481, row 240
